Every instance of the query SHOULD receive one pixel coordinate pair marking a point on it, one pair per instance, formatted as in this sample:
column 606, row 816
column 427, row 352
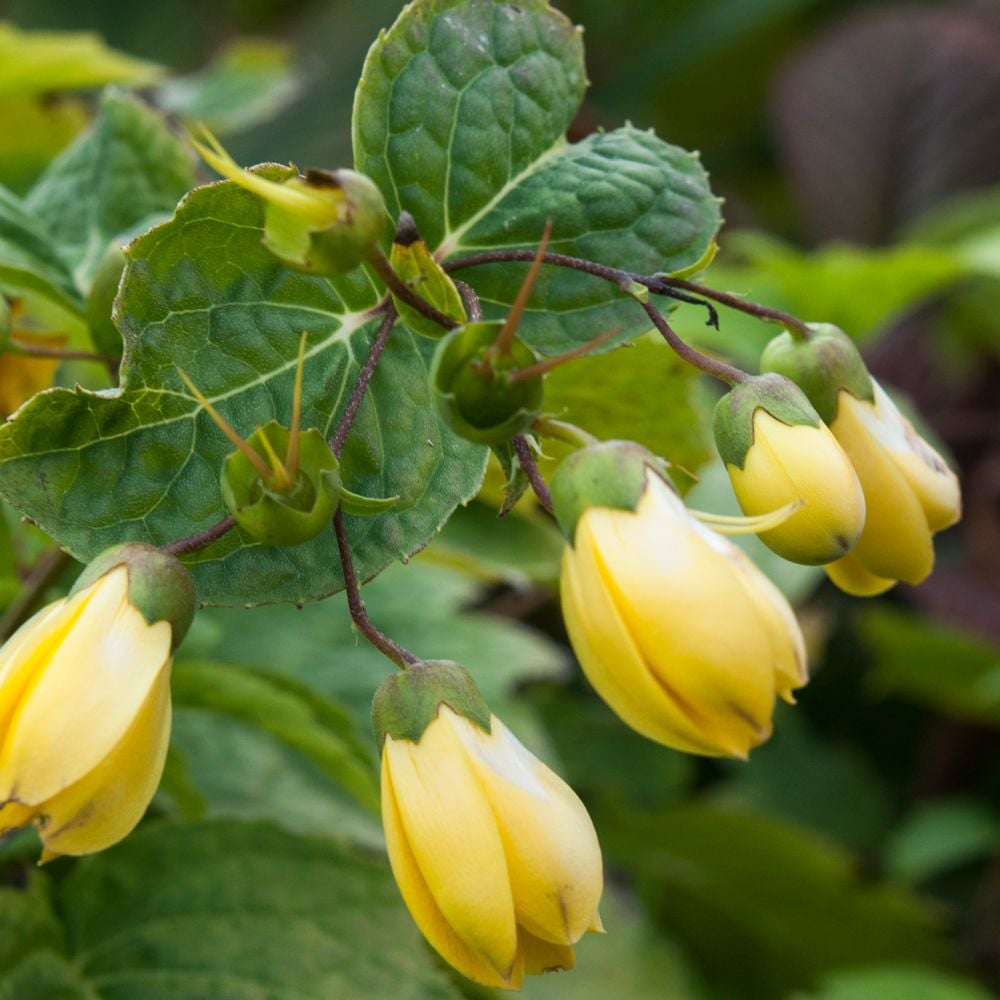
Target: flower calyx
column 822, row 365
column 611, row 474
column 324, row 222
column 406, row 703
column 159, row 586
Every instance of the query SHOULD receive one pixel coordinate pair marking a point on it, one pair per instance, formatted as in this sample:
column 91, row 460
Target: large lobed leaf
column 201, row 292
column 460, row 117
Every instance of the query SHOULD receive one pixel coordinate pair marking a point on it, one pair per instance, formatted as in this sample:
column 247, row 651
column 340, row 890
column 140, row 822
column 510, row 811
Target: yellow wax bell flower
column 778, row 451
column 85, row 702
column 909, row 490
column 910, row 493
column 495, row 856
column 676, row 629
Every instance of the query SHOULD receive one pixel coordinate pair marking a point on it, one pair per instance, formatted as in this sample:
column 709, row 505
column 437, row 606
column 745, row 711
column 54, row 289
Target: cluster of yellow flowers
column 679, row 632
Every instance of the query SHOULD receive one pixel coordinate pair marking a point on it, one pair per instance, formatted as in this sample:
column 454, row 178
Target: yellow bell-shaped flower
column 495, row 856
column 778, row 451
column 909, row 490
column 677, row 630
column 910, row 493
column 85, row 703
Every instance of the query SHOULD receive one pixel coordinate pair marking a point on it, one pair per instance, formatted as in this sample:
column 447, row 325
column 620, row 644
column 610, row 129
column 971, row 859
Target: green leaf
column 800, row 777
column 642, row 393
column 33, row 62
column 238, row 911
column 897, row 982
column 763, row 906
column 932, row 664
column 29, row 261
column 317, row 727
column 143, row 463
column 941, row 836
column 27, row 923
column 248, row 82
column 124, row 168
column 460, row 118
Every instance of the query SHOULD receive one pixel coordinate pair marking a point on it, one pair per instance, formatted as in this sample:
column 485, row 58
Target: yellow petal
column 84, row 697
column 544, row 956
column 853, row 578
column 106, row 804
column 450, row 827
column 935, row 485
column 553, row 857
column 614, row 665
column 896, row 542
column 419, row 900
column 28, row 650
column 13, row 816
column 789, row 463
column 669, row 576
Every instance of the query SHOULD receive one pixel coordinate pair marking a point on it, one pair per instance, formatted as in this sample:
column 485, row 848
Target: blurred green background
column 857, row 856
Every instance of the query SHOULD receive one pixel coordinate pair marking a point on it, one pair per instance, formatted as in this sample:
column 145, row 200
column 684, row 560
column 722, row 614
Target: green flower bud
column 158, row 584
column 101, row 300
column 270, row 514
column 424, row 276
column 477, row 389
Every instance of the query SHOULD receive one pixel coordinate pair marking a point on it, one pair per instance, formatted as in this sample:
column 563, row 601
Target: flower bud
column 778, row 451
column 910, row 493
column 495, row 856
column 424, row 276
column 274, row 516
column 685, row 639
column 85, row 701
column 477, row 391
column 325, row 222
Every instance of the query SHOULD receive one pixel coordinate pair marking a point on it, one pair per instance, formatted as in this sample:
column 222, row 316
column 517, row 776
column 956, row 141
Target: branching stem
column 711, row 366
column 399, row 288
column 185, row 546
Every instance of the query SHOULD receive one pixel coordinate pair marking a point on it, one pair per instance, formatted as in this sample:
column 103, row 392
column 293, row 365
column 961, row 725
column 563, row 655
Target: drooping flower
column 85, row 702
column 495, row 856
column 677, row 630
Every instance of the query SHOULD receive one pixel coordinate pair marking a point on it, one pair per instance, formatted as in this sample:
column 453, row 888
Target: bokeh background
column 857, row 856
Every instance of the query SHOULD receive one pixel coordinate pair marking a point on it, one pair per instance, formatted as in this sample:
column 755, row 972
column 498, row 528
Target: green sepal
column 734, row 413
column 327, row 249
column 477, row 407
column 821, row 364
column 609, row 474
column 424, row 276
column 159, row 587
column 406, row 703
column 272, row 517
column 355, row 503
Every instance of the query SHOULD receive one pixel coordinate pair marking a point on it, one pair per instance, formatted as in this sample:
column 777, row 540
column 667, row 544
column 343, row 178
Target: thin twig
column 766, row 313
column 711, row 366
column 185, row 546
column 472, row 304
column 347, row 418
column 399, row 655
column 531, row 470
column 616, row 276
column 562, row 430
column 401, row 290
column 43, row 574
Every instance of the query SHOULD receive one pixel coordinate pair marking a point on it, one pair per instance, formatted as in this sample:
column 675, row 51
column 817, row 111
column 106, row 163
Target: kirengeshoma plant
column 317, row 367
